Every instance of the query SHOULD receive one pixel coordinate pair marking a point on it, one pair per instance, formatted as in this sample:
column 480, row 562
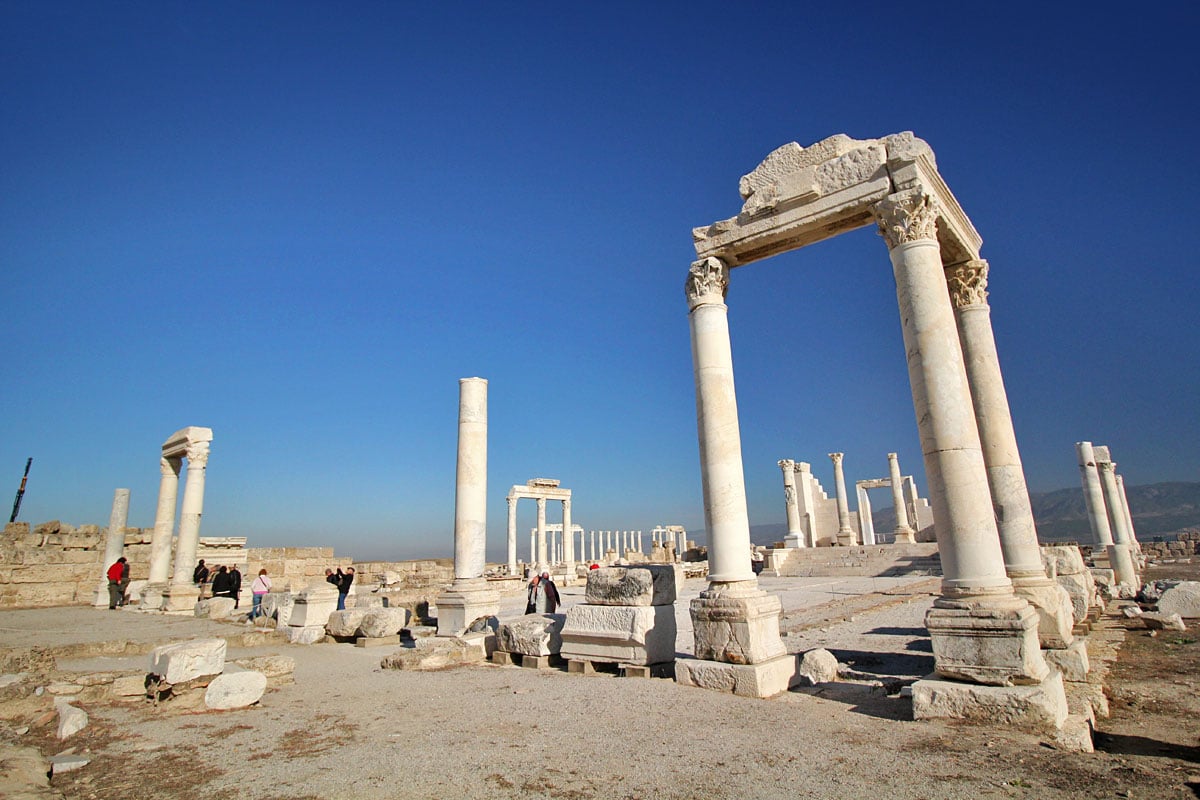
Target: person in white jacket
column 261, row 585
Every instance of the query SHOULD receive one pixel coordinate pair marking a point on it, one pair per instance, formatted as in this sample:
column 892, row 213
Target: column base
column 463, row 603
column 905, row 536
column 794, row 540
column 765, row 679
column 737, row 623
column 1041, row 706
column 1054, row 609
column 1121, row 560
column 180, row 598
column 152, row 597
column 1071, row 661
column 990, row 641
column 846, row 539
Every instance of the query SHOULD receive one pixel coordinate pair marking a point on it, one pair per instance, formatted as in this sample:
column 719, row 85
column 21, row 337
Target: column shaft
column 904, row 531
column 114, row 542
column 470, row 494
column 189, row 517
column 845, row 534
column 512, row 535
column 164, row 521
column 542, row 556
column 1093, row 494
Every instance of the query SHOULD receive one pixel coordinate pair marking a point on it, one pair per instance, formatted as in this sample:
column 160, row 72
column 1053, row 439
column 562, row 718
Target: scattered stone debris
column 819, row 666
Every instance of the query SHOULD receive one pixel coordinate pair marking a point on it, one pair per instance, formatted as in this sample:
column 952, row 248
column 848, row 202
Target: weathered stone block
column 345, row 623
column 71, row 720
column 1071, row 661
column 297, row 634
column 279, row 605
column 533, row 634
column 215, row 608
column 235, row 690
column 990, row 646
column 1158, row 621
column 819, row 666
column 313, row 605
column 632, row 634
column 271, row 666
column 643, row 585
column 763, row 679
column 129, row 686
column 1062, row 560
column 185, row 661
column 1182, row 599
column 737, row 628
column 1041, row 707
column 379, row 621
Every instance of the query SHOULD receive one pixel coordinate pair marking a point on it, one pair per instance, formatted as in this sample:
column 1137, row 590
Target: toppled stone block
column 215, row 607
column 620, row 634
column 643, row 585
column 235, row 690
column 185, row 661
column 1062, row 560
column 71, row 720
column 304, row 635
column 1182, row 599
column 532, row 635
column 1158, row 621
column 381, row 621
column 271, row 666
column 440, row 653
column 67, row 763
column 819, row 666
column 345, row 623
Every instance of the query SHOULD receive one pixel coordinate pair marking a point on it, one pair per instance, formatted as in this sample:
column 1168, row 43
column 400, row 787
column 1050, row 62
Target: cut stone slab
column 765, row 679
column 304, row 635
column 129, row 686
column 533, row 634
column 1040, row 707
column 380, row 621
column 185, row 661
column 1158, row 621
column 376, row 641
column 622, row 634
column 345, row 623
column 71, row 720
column 1182, row 599
column 435, row 653
column 642, row 585
column 67, row 763
column 235, row 690
column 215, row 608
column 819, row 666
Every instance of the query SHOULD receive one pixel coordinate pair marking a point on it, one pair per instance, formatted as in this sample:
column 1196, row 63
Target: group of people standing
column 342, row 581
column 543, row 595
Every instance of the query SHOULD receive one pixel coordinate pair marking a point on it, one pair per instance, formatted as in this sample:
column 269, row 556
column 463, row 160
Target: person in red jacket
column 115, row 573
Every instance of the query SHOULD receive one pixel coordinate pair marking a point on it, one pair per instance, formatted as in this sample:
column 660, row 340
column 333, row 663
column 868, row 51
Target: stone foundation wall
column 1186, row 546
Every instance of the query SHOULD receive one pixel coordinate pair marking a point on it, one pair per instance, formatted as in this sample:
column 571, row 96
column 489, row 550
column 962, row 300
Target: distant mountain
column 1158, row 508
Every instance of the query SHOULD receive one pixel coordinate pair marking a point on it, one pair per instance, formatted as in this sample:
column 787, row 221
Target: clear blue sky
column 300, row 224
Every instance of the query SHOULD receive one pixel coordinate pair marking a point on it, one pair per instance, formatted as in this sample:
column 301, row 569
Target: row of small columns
column 596, row 545
column 539, row 548
column 1108, row 510
column 971, row 459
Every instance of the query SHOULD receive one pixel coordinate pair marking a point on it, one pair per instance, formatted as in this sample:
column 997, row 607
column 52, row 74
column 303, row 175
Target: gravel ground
column 347, row 729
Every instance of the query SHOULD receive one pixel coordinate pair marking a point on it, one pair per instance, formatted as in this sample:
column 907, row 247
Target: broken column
column 469, row 597
column 114, row 543
column 904, row 533
column 1093, row 495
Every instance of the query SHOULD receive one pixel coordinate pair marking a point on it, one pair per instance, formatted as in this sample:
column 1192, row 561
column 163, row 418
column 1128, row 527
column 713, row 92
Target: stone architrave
column 193, row 444
column 845, row 534
column 114, row 543
column 469, row 597
column 967, row 283
column 904, row 533
column 795, row 534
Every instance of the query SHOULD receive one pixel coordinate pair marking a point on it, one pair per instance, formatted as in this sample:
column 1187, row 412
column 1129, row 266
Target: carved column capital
column 566, row 504
column 837, row 458
column 197, row 455
column 707, row 282
column 906, row 217
column 968, row 283
column 787, row 465
column 541, row 503
column 1107, row 466
column 169, row 466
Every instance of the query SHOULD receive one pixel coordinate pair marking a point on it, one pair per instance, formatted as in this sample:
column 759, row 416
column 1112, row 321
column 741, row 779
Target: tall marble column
column 977, row 604
column 806, row 501
column 568, row 540
column 592, row 546
column 866, row 525
column 543, row 559
column 845, row 534
column 1133, row 540
column 182, row 593
column 795, row 535
column 114, row 543
column 164, row 529
column 512, row 534
column 1120, row 553
column 1093, row 494
column 533, row 560
column 735, row 624
column 469, row 597
column 904, row 533
column 967, row 283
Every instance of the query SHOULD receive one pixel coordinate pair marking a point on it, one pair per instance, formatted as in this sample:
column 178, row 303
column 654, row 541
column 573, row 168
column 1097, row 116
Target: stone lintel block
column 1071, row 661
column 737, row 629
column 764, row 679
column 1040, row 707
column 185, row 661
column 619, row 634
column 458, row 608
column 994, row 646
column 642, row 585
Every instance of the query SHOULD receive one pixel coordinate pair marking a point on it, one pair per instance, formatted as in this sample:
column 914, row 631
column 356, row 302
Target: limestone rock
column 533, row 634
column 1152, row 592
column 1040, row 707
column 1158, row 621
column 1075, row 736
column 345, row 623
column 1062, row 560
column 1072, row 661
column 819, row 666
column 643, row 585
column 67, row 763
column 129, row 686
column 271, row 666
column 71, row 720
column 235, row 690
column 311, row 634
column 1183, row 599
column 215, row 608
column 24, row 774
column 434, row 654
column 380, row 621
column 185, row 661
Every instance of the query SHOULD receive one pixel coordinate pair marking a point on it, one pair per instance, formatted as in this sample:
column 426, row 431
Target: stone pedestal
column 310, row 613
column 180, row 597
column 765, row 679
column 737, row 624
column 994, row 644
column 463, row 603
column 1040, row 706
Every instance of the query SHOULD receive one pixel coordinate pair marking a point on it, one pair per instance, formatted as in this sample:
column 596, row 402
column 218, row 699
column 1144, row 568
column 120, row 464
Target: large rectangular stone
column 621, row 634
column 1040, row 707
column 641, row 585
column 184, row 661
column 764, row 679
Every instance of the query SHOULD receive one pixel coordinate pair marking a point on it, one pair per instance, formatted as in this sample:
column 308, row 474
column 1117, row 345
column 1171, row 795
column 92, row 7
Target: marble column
column 967, row 283
column 533, row 547
column 845, row 534
column 164, row 529
column 183, row 593
column 114, row 543
column 977, row 603
column 568, row 540
column 735, row 624
column 469, row 597
column 904, row 533
column 1133, row 540
column 1093, row 494
column 866, row 525
column 512, row 535
column 639, row 541
column 543, row 560
column 592, row 546
column 1120, row 553
column 795, row 535
column 806, row 501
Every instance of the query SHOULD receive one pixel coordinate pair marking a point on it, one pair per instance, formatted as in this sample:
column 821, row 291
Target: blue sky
column 300, row 224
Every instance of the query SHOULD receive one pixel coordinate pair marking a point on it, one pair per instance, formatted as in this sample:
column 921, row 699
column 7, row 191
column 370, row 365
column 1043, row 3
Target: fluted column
column 967, row 283
column 904, row 533
column 974, row 577
column 1120, row 553
column 845, row 534
column 1093, row 494
column 795, row 534
column 114, row 543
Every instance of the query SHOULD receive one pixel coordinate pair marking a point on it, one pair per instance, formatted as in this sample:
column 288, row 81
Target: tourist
column 530, row 606
column 756, row 560
column 222, row 583
column 260, row 587
column 331, row 578
column 235, row 578
column 343, row 584
column 124, row 579
column 200, row 576
column 546, row 597
column 114, row 582
column 594, row 566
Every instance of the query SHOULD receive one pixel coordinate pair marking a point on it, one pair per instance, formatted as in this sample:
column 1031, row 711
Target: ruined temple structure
column 996, row 597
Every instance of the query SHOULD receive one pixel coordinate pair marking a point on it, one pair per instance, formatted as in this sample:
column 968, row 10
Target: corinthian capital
column 707, row 282
column 787, row 465
column 169, row 466
column 906, row 217
column 197, row 454
column 837, row 458
column 968, row 283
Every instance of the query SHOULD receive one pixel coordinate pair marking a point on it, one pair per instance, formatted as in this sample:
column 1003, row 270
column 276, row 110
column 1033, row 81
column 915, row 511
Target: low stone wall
column 1186, row 546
